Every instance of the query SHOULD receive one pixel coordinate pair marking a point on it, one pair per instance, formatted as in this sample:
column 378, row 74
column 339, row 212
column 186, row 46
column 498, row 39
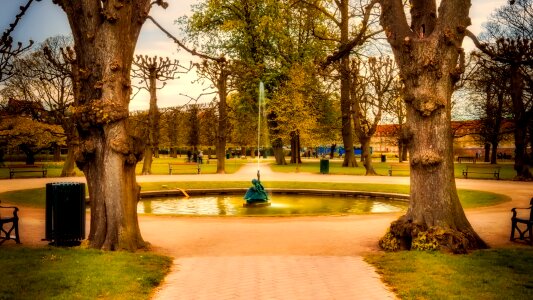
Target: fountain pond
column 281, row 205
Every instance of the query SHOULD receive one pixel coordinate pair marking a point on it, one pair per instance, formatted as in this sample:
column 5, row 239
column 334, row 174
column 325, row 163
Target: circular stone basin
column 281, row 204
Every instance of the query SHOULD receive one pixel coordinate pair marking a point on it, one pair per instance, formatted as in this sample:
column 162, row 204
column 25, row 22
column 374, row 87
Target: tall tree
column 430, row 60
column 373, row 92
column 218, row 70
column 490, row 87
column 152, row 70
column 339, row 14
column 508, row 39
column 105, row 34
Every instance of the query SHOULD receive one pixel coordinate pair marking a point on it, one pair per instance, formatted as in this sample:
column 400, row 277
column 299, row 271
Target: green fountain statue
column 256, row 195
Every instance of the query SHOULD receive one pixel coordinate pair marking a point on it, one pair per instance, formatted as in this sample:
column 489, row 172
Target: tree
column 430, row 60
column 293, row 105
column 29, row 135
column 9, row 51
column 339, row 14
column 373, row 92
column 151, row 70
column 219, row 71
column 105, row 34
column 509, row 35
column 488, row 79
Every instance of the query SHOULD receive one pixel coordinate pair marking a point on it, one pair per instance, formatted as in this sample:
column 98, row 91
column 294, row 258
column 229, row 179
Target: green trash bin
column 227, row 155
column 383, row 158
column 324, row 166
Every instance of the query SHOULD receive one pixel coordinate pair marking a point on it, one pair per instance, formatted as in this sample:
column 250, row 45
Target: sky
column 44, row 19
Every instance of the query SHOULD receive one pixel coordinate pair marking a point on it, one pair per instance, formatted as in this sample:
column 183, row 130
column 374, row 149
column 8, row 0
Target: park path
column 279, row 258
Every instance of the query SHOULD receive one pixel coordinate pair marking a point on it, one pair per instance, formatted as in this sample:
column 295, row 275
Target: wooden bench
column 515, row 220
column 470, row 159
column 179, row 166
column 399, row 167
column 482, row 169
column 26, row 169
column 9, row 216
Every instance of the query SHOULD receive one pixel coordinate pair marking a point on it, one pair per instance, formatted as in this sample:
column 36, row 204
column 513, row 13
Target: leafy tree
column 105, row 34
column 427, row 50
column 339, row 15
column 44, row 76
column 29, row 135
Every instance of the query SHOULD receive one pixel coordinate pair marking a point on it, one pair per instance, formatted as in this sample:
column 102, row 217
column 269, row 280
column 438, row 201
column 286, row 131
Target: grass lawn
column 335, row 167
column 485, row 274
column 469, row 198
column 159, row 167
column 60, row 273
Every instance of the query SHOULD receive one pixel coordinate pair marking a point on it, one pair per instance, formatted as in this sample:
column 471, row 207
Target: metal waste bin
column 65, row 212
column 383, row 158
column 324, row 166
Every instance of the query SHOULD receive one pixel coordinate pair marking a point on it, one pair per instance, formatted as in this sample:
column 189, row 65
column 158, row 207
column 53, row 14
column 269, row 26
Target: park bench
column 9, row 217
column 523, row 219
column 179, row 166
column 399, row 168
column 26, row 169
column 470, row 159
column 482, row 169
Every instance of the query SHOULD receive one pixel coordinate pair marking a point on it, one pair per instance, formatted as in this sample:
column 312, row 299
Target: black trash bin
column 383, row 158
column 227, row 155
column 65, row 213
column 324, row 166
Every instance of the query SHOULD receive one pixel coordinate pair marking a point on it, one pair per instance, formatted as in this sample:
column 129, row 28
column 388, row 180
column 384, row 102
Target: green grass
column 486, row 274
column 159, row 167
column 469, row 198
column 335, row 167
column 56, row 273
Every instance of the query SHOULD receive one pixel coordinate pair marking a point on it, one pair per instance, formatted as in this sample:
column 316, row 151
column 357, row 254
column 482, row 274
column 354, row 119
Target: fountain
column 256, row 195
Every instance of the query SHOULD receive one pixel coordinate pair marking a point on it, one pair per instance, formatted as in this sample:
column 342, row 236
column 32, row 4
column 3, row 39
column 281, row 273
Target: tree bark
column 57, row 153
column 277, row 147
column 346, row 104
column 365, row 153
column 521, row 119
column 105, row 34
column 430, row 64
column 68, row 166
column 222, row 120
column 151, row 148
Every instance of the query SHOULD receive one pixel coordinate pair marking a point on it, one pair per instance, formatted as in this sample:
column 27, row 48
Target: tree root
column 405, row 235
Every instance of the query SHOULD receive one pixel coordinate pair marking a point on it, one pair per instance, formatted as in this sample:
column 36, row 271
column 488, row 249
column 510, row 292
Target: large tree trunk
column 367, row 157
column 430, row 64
column 105, row 34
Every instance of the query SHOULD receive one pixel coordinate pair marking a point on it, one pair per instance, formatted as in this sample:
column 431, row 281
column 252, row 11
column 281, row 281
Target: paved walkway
column 279, row 258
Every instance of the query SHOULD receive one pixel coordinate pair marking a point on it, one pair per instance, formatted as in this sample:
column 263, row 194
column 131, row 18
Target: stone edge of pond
column 225, row 191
